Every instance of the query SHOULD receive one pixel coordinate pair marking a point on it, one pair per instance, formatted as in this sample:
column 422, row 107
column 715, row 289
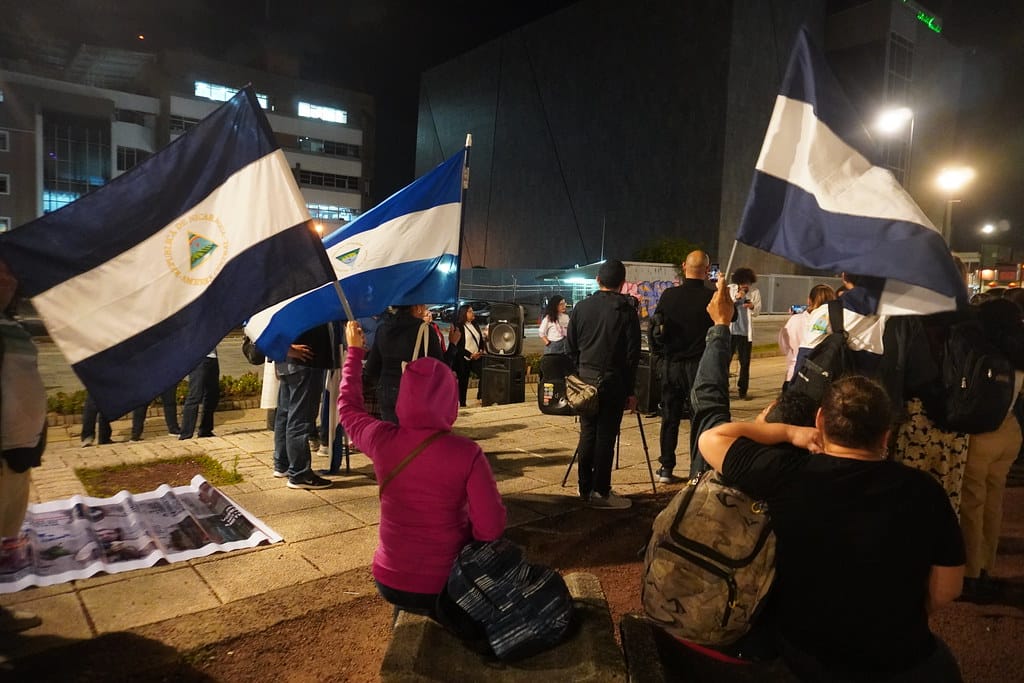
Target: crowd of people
column 875, row 457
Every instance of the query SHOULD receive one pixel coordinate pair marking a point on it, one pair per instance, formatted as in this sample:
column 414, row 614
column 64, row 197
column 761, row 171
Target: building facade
column 70, row 124
column 603, row 127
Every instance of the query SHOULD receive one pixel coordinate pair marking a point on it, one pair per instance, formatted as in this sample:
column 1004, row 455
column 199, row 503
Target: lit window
column 5, row 223
column 222, row 93
column 5, row 183
column 329, row 114
column 327, row 212
column 53, row 200
column 5, row 141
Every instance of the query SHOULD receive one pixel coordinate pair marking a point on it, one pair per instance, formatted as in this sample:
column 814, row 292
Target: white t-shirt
column 553, row 331
column 472, row 339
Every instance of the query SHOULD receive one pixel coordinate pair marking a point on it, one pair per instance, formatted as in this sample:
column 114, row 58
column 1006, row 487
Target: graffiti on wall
column 648, row 293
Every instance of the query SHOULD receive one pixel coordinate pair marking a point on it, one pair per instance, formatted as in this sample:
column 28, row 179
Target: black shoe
column 665, row 476
column 310, row 481
column 207, row 435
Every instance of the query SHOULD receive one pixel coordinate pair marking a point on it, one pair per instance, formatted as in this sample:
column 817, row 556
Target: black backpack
column 977, row 378
column 828, row 361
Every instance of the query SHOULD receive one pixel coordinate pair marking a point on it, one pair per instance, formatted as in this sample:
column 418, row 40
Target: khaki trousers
column 13, row 499
column 989, row 457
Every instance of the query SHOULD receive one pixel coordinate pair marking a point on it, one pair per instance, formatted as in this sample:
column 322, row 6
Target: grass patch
column 140, row 477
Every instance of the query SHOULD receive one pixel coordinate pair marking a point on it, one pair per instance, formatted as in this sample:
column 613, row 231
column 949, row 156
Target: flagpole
column 728, row 266
column 462, row 214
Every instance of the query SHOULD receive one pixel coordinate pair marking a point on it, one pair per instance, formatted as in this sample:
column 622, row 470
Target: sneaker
column 15, row 621
column 176, row 432
column 207, row 435
column 86, row 443
column 744, row 397
column 612, row 501
column 310, row 481
column 280, row 475
column 665, row 476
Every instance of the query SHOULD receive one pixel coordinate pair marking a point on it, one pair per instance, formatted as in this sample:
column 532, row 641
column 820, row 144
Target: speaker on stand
column 505, row 330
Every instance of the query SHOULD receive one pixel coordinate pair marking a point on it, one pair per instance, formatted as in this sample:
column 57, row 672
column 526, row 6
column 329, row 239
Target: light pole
column 890, row 122
column 951, row 180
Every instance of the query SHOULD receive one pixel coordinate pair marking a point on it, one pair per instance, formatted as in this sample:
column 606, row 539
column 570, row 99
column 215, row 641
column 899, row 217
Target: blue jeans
column 203, row 387
column 387, row 399
column 296, row 402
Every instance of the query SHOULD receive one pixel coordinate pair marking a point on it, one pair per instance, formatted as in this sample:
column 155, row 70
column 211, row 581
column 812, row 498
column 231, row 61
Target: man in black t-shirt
column 866, row 547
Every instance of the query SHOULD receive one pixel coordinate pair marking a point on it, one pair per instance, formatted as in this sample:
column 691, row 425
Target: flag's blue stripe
column 443, row 185
column 131, row 373
column 809, row 79
column 132, row 207
column 368, row 293
column 785, row 220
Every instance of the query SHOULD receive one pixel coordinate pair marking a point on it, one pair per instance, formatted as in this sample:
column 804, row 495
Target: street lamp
column 951, row 180
column 988, row 228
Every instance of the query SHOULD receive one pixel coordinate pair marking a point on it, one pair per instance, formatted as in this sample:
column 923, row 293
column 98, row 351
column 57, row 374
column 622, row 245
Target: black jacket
column 604, row 338
column 683, row 313
column 393, row 344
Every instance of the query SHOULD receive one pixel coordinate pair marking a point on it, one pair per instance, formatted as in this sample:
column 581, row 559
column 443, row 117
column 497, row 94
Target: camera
column 797, row 308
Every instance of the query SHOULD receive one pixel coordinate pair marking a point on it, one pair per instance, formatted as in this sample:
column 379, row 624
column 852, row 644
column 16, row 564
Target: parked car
column 448, row 313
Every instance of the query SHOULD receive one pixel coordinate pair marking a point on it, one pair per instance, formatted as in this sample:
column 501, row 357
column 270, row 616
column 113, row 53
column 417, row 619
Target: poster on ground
column 72, row 539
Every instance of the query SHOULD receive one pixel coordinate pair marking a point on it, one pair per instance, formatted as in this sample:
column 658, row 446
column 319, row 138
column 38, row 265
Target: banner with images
column 79, row 537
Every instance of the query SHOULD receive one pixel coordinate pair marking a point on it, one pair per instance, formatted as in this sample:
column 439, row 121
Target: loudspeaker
column 503, row 380
column 551, row 387
column 505, row 331
column 648, row 384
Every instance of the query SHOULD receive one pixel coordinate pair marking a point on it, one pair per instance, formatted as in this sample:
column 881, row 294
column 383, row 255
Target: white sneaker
column 612, row 501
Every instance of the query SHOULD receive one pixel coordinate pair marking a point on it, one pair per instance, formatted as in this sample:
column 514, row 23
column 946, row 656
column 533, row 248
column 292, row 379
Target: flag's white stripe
column 139, row 287
column 258, row 322
column 804, row 151
column 409, row 237
column 900, row 298
column 865, row 332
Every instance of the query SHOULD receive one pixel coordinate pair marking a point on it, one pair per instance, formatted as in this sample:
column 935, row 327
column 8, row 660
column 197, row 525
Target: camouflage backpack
column 709, row 563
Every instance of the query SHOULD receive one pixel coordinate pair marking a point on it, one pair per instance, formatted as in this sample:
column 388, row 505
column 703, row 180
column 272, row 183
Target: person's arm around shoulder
column 486, row 511
column 716, row 442
column 352, row 414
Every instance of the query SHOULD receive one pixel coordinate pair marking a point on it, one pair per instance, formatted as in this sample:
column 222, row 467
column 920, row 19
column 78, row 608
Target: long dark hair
column 551, row 311
column 461, row 319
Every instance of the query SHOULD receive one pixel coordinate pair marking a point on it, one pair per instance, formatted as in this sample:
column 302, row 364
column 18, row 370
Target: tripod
column 647, row 454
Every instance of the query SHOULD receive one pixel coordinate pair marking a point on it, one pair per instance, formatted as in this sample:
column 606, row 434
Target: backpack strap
column 835, row 315
column 408, row 459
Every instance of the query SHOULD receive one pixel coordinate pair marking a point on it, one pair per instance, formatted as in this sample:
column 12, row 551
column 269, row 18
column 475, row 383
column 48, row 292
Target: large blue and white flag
column 403, row 251
column 139, row 280
column 816, row 199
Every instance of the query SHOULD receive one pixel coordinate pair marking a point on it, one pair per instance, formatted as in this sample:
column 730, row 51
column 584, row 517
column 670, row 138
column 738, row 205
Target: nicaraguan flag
column 137, row 281
column 817, row 200
column 403, row 251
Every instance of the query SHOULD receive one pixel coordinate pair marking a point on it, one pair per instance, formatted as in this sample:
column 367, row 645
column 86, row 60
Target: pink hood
column 428, row 396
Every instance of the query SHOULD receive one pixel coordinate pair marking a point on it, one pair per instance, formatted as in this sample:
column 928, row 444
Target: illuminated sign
column 930, row 20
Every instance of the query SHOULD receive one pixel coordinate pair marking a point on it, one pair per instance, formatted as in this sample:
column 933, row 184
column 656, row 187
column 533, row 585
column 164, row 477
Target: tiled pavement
column 326, row 532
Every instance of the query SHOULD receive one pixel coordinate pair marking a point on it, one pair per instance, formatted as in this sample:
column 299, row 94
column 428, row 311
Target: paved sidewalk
column 326, row 532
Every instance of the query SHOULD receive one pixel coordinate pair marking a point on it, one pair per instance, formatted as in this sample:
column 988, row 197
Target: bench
column 421, row 650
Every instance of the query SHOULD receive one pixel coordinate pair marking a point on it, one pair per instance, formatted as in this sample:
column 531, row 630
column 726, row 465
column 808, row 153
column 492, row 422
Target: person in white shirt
column 553, row 325
column 468, row 357
column 748, row 305
column 791, row 335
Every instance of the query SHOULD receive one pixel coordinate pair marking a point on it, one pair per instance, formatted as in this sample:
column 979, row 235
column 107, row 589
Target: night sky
column 381, row 46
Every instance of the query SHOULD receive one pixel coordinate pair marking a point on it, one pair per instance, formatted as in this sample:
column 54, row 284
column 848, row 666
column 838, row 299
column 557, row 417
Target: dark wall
column 601, row 116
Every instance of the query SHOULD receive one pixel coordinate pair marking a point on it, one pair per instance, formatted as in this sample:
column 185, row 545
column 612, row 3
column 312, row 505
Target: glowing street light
column 891, row 121
column 988, row 228
column 951, row 180
column 319, row 227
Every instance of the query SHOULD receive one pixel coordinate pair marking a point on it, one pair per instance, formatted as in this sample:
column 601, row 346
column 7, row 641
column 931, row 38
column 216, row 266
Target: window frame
column 6, row 185
column 321, row 112
column 5, row 140
column 5, row 224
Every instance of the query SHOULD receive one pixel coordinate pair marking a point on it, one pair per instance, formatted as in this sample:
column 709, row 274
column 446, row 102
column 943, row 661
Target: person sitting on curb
column 836, row 503
column 437, row 491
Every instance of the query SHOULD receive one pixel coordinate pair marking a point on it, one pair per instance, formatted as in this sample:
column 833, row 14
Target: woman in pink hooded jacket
column 442, row 499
